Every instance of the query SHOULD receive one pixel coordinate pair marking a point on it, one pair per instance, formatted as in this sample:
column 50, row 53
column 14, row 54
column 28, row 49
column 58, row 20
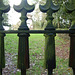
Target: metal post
column 23, row 71
column 0, row 71
column 70, row 7
column 50, row 60
column 73, row 71
column 3, row 9
column 72, row 52
column 23, row 51
column 2, row 52
column 50, row 71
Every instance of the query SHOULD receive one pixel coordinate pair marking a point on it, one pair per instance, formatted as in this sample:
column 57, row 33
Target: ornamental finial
column 50, row 60
column 70, row 7
column 3, row 9
column 49, row 5
column 24, row 7
column 50, row 8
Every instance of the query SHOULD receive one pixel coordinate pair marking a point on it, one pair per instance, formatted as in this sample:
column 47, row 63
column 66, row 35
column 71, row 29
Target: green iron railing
column 49, row 32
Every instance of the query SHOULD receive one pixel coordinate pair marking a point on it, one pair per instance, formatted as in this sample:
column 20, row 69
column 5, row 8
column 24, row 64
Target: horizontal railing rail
column 39, row 31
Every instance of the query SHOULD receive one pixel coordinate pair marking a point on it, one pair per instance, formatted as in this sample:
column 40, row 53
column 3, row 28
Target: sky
column 13, row 15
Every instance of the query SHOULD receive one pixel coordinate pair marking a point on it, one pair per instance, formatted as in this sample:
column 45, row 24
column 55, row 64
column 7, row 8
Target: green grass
column 36, row 46
column 11, row 43
column 62, row 67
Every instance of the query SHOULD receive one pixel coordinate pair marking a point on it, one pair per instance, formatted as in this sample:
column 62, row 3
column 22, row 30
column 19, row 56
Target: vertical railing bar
column 70, row 7
column 0, row 71
column 73, row 71
column 50, row 58
column 50, row 71
column 23, row 51
column 23, row 71
column 3, row 9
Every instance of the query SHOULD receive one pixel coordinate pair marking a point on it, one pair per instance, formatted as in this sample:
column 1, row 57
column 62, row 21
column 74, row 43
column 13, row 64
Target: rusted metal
column 0, row 71
column 72, row 52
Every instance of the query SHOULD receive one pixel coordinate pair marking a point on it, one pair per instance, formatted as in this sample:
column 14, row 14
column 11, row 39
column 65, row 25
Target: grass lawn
column 36, row 50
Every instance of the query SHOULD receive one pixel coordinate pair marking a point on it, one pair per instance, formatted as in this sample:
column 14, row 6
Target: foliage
column 39, row 21
column 61, row 18
column 15, row 27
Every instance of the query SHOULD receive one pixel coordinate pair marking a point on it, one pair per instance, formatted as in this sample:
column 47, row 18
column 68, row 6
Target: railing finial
column 50, row 8
column 49, row 5
column 70, row 7
column 23, row 8
column 23, row 51
column 3, row 9
column 50, row 60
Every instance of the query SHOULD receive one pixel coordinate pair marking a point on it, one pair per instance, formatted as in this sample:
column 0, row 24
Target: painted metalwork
column 50, row 59
column 23, row 51
column 49, row 32
column 50, row 8
column 38, row 31
column 3, row 9
column 24, row 8
column 70, row 6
